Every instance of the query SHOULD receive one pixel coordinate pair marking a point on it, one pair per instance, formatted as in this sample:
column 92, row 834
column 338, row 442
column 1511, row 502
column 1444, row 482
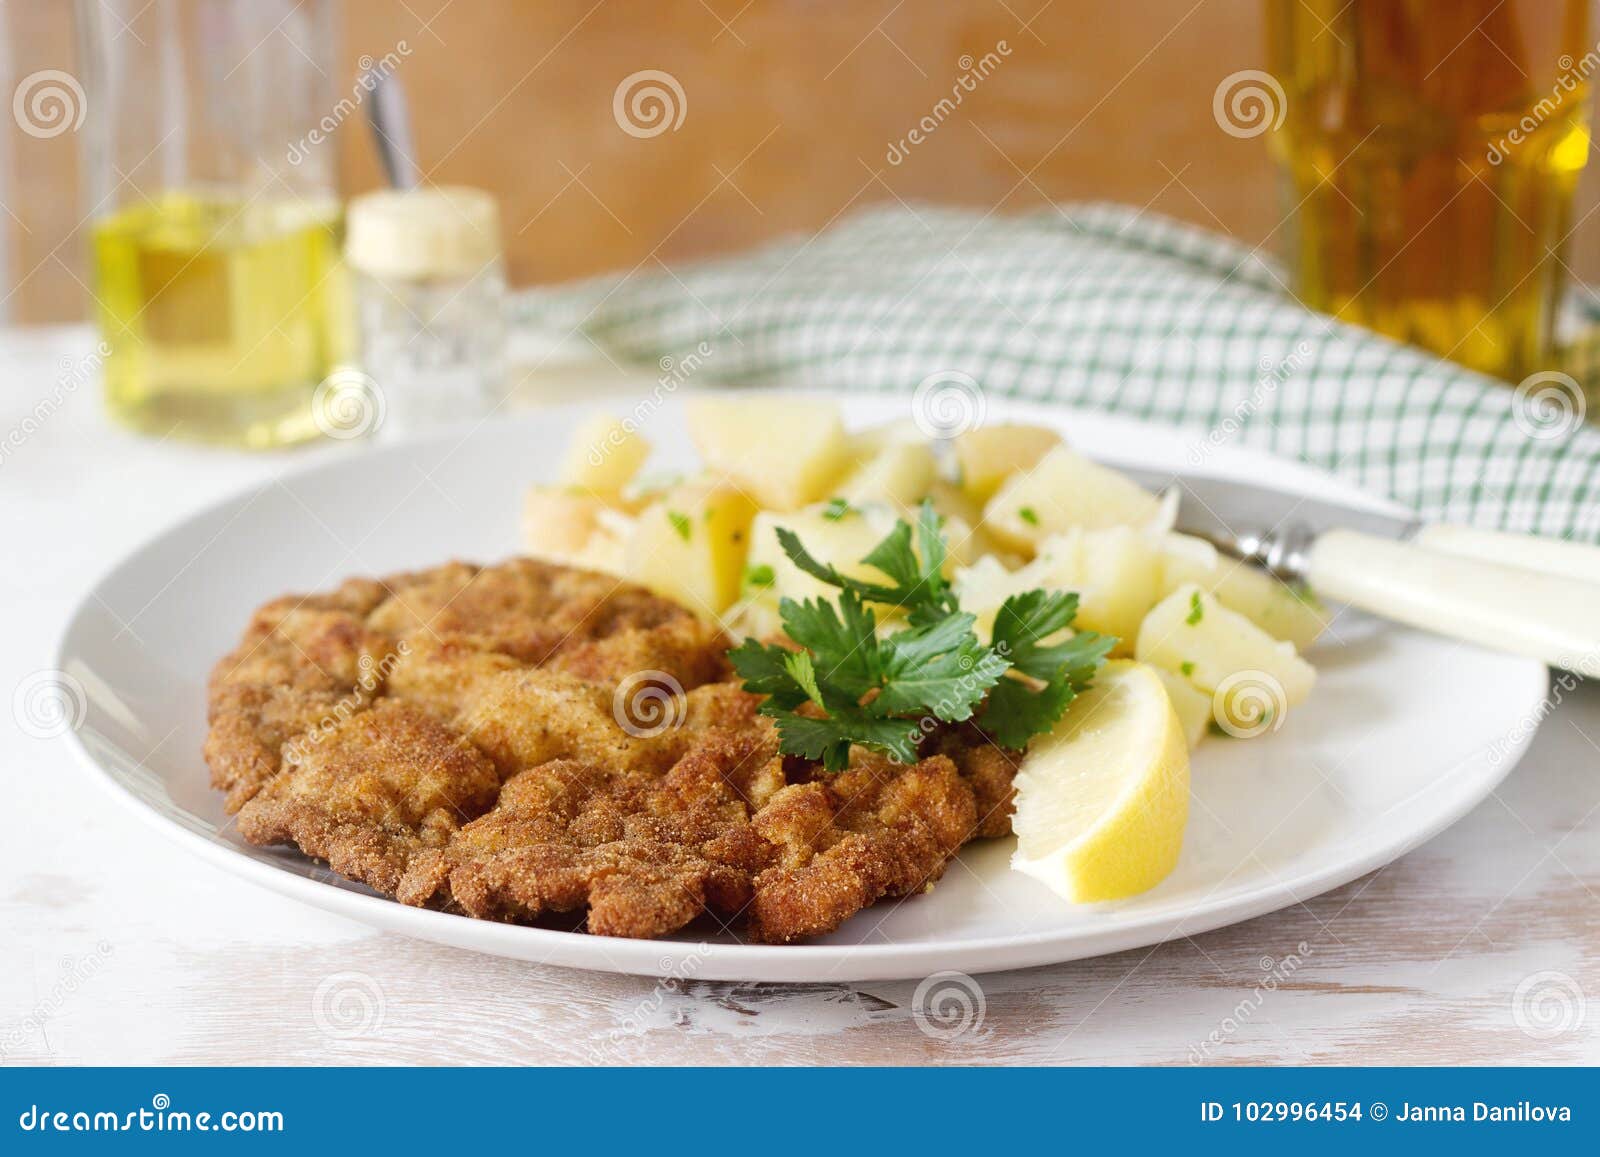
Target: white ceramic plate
column 1404, row 734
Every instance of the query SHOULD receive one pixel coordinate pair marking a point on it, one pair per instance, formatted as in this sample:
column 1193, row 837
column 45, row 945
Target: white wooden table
column 117, row 948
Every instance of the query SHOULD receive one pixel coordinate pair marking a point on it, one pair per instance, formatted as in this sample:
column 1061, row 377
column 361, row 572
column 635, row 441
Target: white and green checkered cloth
column 1104, row 307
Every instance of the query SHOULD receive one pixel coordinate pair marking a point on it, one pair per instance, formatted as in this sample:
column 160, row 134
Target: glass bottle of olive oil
column 222, row 316
column 215, row 245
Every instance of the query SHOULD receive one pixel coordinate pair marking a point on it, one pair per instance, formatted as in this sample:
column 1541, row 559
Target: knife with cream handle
column 1530, row 596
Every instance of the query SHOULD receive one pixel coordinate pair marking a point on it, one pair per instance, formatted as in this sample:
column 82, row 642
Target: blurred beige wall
column 790, row 110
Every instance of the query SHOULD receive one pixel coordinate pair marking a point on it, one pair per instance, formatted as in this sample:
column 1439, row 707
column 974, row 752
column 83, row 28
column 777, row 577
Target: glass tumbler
column 1430, row 150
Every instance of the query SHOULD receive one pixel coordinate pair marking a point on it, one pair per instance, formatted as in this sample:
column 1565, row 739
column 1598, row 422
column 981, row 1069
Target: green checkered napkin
column 1104, row 307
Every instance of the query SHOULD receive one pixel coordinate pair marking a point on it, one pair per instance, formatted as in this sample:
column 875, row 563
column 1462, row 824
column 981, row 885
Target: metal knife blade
column 1269, row 526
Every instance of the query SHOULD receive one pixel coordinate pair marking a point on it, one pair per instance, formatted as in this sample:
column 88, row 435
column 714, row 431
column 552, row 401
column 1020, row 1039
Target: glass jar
column 430, row 289
column 216, row 231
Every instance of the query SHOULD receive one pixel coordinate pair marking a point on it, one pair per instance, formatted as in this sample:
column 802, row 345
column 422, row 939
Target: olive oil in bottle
column 222, row 314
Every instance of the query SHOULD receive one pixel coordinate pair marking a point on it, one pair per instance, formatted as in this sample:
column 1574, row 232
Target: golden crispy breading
column 894, row 830
column 689, row 651
column 250, row 724
column 378, row 788
column 525, row 718
column 523, row 608
column 638, row 851
column 298, row 663
column 527, row 739
column 441, row 675
column 989, row 771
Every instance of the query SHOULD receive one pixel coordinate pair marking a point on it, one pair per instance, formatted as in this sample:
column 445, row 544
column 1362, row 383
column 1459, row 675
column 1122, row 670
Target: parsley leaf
column 836, row 509
column 846, row 685
column 680, row 523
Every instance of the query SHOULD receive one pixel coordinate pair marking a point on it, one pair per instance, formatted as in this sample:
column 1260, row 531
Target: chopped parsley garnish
column 760, row 575
column 1186, row 667
column 1029, row 515
column 1196, row 610
column 681, row 523
column 849, row 686
column 836, row 509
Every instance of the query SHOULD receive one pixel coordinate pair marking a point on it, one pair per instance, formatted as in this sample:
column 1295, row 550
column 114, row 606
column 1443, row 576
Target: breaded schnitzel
column 526, row 739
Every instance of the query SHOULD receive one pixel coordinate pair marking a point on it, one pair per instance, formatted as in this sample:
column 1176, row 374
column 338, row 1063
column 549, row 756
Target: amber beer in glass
column 1430, row 151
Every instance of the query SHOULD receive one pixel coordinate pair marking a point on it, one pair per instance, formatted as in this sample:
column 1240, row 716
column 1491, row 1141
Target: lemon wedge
column 1102, row 800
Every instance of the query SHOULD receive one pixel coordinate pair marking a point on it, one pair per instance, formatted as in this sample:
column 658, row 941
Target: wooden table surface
column 116, row 947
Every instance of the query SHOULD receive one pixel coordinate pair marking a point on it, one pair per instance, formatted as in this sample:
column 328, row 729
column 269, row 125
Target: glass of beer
column 1430, row 151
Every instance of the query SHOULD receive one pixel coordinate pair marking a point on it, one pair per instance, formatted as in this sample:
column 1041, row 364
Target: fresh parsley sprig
column 846, row 685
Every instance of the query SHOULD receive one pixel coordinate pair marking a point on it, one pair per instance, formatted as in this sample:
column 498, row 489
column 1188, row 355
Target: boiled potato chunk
column 1277, row 609
column 1116, row 572
column 899, row 474
column 841, row 541
column 1189, row 632
column 604, row 456
column 691, row 545
column 786, row 452
column 989, row 455
column 1065, row 490
column 1193, row 707
column 871, row 440
column 575, row 528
